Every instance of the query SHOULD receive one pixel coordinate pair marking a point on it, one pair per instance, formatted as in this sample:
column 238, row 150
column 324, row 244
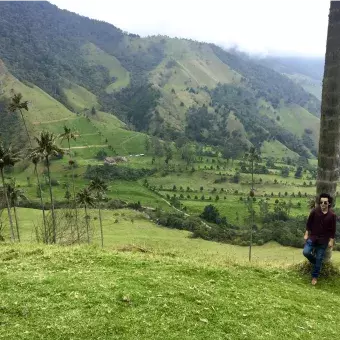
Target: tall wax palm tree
column 69, row 135
column 329, row 142
column 47, row 148
column 252, row 156
column 15, row 195
column 17, row 104
column 35, row 160
column 85, row 198
column 7, row 158
column 98, row 186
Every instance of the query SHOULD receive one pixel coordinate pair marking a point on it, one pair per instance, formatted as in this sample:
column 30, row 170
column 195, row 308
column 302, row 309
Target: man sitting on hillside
column 320, row 233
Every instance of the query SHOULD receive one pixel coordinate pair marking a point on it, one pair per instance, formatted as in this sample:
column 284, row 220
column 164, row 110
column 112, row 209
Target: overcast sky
column 260, row 26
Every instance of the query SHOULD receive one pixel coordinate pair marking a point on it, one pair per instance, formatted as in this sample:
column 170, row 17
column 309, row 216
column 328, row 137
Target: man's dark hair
column 324, row 195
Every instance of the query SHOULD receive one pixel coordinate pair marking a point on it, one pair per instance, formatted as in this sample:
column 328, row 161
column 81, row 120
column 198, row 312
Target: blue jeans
column 315, row 254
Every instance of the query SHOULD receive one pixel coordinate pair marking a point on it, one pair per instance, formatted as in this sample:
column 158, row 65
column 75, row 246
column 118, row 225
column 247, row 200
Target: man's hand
column 331, row 243
column 305, row 236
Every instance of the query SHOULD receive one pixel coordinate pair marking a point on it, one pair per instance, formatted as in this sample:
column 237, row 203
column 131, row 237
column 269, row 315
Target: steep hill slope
column 155, row 83
column 98, row 131
column 304, row 71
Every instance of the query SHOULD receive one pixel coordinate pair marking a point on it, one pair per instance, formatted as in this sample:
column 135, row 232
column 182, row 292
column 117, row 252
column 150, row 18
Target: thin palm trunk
column 8, row 205
column 41, row 203
column 251, row 227
column 87, row 225
column 329, row 142
column 52, row 203
column 28, row 135
column 101, row 225
column 16, row 221
column 74, row 193
column 252, row 175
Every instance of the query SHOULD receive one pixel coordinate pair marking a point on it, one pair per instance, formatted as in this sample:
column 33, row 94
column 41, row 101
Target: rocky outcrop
column 115, row 160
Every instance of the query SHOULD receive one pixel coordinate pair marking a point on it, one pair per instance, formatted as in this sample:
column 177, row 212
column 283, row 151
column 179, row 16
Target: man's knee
column 307, row 252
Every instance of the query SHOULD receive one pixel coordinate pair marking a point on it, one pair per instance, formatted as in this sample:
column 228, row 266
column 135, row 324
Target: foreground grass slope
column 155, row 283
column 86, row 293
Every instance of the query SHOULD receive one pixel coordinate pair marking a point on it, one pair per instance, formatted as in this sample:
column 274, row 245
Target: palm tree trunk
column 251, row 227
column 252, row 175
column 41, row 203
column 16, row 221
column 8, row 206
column 329, row 142
column 101, row 225
column 87, row 226
column 28, row 135
column 74, row 194
column 52, row 203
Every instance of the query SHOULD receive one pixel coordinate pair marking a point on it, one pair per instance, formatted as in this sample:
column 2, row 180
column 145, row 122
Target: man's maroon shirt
column 321, row 226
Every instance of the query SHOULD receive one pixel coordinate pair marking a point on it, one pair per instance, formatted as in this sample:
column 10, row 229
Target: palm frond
column 85, row 197
column 8, row 157
column 17, row 104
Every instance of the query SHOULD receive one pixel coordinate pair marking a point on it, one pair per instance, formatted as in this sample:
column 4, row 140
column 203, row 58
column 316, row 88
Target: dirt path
column 54, row 121
column 87, row 146
column 126, row 140
column 185, row 214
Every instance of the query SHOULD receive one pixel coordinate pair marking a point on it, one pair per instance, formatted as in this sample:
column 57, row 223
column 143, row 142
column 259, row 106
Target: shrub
column 111, row 172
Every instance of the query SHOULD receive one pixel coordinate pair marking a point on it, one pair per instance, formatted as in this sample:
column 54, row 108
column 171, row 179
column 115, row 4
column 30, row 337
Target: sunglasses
column 324, row 202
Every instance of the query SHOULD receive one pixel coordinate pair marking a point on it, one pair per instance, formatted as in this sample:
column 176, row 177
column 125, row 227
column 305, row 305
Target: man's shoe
column 314, row 281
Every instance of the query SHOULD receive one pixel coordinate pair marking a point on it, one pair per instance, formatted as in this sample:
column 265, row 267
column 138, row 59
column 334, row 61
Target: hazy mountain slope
column 304, row 71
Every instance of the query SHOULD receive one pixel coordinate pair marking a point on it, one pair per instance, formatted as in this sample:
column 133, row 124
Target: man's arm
column 332, row 234
column 309, row 225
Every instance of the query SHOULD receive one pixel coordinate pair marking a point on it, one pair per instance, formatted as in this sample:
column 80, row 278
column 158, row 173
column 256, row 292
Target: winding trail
column 87, row 146
column 55, row 121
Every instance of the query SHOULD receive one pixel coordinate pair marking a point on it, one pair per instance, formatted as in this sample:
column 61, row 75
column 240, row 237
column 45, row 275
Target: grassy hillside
column 79, row 98
column 156, row 283
column 277, row 149
column 311, row 85
column 94, row 131
column 119, row 75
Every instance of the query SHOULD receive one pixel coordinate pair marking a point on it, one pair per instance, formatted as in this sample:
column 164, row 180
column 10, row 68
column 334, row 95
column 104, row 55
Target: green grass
column 310, row 85
column 277, row 150
column 42, row 107
column 177, row 288
column 295, row 119
column 95, row 56
column 80, row 98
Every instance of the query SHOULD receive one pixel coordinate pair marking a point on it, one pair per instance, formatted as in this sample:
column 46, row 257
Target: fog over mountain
column 266, row 27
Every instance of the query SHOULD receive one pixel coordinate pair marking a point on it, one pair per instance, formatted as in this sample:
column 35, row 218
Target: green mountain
column 165, row 87
column 95, row 130
column 304, row 71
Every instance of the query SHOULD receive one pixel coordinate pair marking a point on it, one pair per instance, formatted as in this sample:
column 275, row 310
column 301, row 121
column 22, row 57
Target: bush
column 54, row 182
column 111, row 172
column 116, row 204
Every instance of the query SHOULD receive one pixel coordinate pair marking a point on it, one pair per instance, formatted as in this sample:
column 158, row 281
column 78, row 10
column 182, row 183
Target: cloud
column 258, row 26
